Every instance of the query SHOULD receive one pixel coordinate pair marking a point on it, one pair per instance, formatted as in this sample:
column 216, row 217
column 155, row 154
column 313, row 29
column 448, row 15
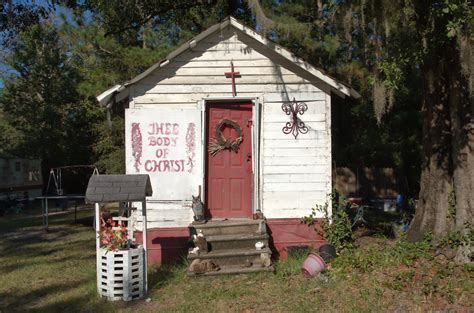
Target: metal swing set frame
column 56, row 177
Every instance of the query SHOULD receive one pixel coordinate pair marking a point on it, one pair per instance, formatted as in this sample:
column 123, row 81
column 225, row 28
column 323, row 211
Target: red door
column 229, row 173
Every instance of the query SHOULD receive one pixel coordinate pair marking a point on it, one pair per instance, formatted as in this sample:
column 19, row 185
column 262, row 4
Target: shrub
column 336, row 226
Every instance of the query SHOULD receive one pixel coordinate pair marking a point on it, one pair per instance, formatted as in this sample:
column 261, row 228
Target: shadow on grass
column 29, row 257
column 13, row 224
column 18, row 301
column 162, row 275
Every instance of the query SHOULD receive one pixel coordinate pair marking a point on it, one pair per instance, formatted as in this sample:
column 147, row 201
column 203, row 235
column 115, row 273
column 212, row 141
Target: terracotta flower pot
column 313, row 265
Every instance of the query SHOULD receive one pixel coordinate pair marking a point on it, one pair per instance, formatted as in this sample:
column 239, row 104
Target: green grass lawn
column 55, row 272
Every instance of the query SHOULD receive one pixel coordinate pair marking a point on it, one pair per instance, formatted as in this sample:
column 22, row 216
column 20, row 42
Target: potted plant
column 120, row 265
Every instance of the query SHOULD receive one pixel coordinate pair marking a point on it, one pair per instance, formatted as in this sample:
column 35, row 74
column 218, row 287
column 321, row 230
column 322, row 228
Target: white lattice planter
column 120, row 274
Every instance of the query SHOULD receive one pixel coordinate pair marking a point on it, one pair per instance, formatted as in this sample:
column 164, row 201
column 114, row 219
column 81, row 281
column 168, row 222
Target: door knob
column 249, row 157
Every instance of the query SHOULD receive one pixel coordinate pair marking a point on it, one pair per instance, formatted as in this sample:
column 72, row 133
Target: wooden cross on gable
column 232, row 74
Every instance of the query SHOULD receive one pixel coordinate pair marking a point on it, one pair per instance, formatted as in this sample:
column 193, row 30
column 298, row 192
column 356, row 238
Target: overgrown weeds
column 335, row 224
column 365, row 259
column 289, row 267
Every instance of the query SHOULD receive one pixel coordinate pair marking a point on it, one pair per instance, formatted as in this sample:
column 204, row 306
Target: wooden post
column 97, row 240
column 145, row 248
column 75, row 212
column 46, row 212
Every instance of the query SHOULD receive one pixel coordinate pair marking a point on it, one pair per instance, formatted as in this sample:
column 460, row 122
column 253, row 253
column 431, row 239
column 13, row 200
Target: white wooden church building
column 271, row 152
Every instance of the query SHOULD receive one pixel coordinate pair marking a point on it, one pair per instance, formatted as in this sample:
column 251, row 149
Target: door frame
column 256, row 144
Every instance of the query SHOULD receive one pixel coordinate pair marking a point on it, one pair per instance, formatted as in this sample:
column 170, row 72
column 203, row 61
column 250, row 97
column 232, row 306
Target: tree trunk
column 462, row 128
column 445, row 201
column 436, row 176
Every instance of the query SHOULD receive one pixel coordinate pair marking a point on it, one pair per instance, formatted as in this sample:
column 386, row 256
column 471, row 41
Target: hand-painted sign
column 162, row 143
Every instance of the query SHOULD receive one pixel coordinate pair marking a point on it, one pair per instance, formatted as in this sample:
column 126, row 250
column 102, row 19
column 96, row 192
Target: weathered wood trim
column 277, row 97
column 202, row 79
column 261, row 107
column 329, row 165
column 255, row 146
column 131, row 98
column 204, row 152
column 191, row 88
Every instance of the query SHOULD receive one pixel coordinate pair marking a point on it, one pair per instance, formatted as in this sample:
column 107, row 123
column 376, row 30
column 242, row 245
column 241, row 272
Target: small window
column 17, row 166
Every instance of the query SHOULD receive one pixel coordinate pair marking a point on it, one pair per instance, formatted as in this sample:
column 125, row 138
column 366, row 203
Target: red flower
column 113, row 235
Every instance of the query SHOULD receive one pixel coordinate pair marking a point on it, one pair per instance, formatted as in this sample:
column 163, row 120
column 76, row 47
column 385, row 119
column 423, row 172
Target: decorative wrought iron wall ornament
column 295, row 126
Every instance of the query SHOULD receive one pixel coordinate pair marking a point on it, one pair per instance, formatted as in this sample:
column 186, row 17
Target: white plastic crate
column 120, row 274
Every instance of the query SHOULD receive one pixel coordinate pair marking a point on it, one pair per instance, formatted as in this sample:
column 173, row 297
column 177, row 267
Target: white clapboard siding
column 294, row 178
column 294, row 172
column 221, row 79
column 223, row 88
column 227, row 45
column 166, row 215
column 303, row 195
column 296, row 160
column 290, row 142
column 286, row 169
column 213, row 55
column 284, row 186
column 219, row 71
column 194, row 97
column 280, row 116
column 295, row 152
column 295, row 203
column 263, row 62
column 182, row 105
column 223, row 36
column 274, row 111
column 316, row 106
column 283, row 96
column 316, row 130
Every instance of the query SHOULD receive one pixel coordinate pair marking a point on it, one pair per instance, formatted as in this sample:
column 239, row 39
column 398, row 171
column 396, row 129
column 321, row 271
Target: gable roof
column 116, row 188
column 246, row 35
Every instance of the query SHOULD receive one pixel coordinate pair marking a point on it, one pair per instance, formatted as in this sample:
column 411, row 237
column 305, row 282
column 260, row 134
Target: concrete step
column 237, row 257
column 234, row 226
column 234, row 270
column 236, row 241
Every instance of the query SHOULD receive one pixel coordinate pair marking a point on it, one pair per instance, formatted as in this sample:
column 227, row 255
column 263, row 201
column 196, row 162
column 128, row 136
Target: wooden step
column 240, row 257
column 233, row 226
column 232, row 246
column 236, row 241
column 233, row 270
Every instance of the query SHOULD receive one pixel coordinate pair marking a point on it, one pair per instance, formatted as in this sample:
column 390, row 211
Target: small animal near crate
column 121, row 274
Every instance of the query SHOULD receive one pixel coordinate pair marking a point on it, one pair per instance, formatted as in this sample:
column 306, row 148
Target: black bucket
column 327, row 252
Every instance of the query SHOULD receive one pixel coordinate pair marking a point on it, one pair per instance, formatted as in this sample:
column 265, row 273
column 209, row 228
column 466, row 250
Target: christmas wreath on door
column 220, row 143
